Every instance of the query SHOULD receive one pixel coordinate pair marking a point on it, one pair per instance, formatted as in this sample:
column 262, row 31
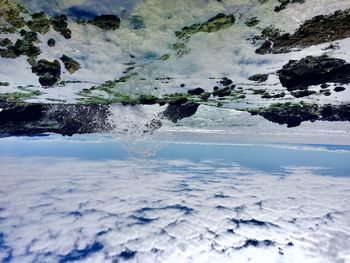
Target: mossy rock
column 70, row 64
column 60, row 25
column 252, row 21
column 48, row 72
column 39, row 23
column 216, row 23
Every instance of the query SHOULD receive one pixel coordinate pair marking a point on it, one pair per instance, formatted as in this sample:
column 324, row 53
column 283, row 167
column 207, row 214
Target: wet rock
column 259, row 77
column 180, row 110
column 70, row 64
column 314, row 71
column 51, row 42
column 49, row 72
column 65, row 119
column 324, row 86
column 60, row 25
column 335, row 112
column 196, row 91
column 106, row 22
column 339, row 89
column 318, row 30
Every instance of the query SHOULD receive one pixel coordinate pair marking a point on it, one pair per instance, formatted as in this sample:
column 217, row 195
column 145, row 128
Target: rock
column 252, row 22
column 51, row 42
column 205, row 96
column 285, row 3
column 148, row 99
column 314, row 71
column 226, row 91
column 324, row 86
column 216, row 23
column 65, row 119
column 178, row 111
column 196, row 91
column 5, row 42
column 318, row 30
column 302, row 93
column 294, row 114
column 259, row 77
column 39, row 23
column 70, row 64
column 226, row 81
column 106, row 22
column 49, row 72
column 60, row 25
column 339, row 89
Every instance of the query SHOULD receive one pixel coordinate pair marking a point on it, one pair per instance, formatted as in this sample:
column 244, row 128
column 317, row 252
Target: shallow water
column 89, row 199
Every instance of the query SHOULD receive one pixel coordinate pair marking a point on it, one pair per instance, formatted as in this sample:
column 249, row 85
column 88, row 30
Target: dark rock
column 222, row 92
column 51, row 42
column 182, row 85
column 70, row 64
column 48, row 72
column 294, row 114
column 205, row 96
column 226, row 81
column 106, row 22
column 285, row 3
column 5, row 42
column 302, row 93
column 175, row 112
column 259, row 77
column 318, row 30
column 324, row 86
column 148, row 100
column 339, row 89
column 65, row 119
column 314, row 71
column 196, row 91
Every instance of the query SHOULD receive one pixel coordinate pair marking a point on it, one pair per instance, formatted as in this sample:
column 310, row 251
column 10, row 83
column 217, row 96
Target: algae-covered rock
column 11, row 14
column 252, row 21
column 70, row 64
column 5, row 42
column 39, row 23
column 106, row 22
column 318, row 30
column 48, row 72
column 216, row 23
column 60, row 25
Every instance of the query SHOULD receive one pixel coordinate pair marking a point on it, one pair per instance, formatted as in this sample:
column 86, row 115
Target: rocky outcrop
column 318, row 30
column 314, row 71
column 60, row 24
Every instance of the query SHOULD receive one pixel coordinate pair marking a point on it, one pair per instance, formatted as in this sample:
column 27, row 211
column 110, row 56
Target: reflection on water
column 70, row 200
